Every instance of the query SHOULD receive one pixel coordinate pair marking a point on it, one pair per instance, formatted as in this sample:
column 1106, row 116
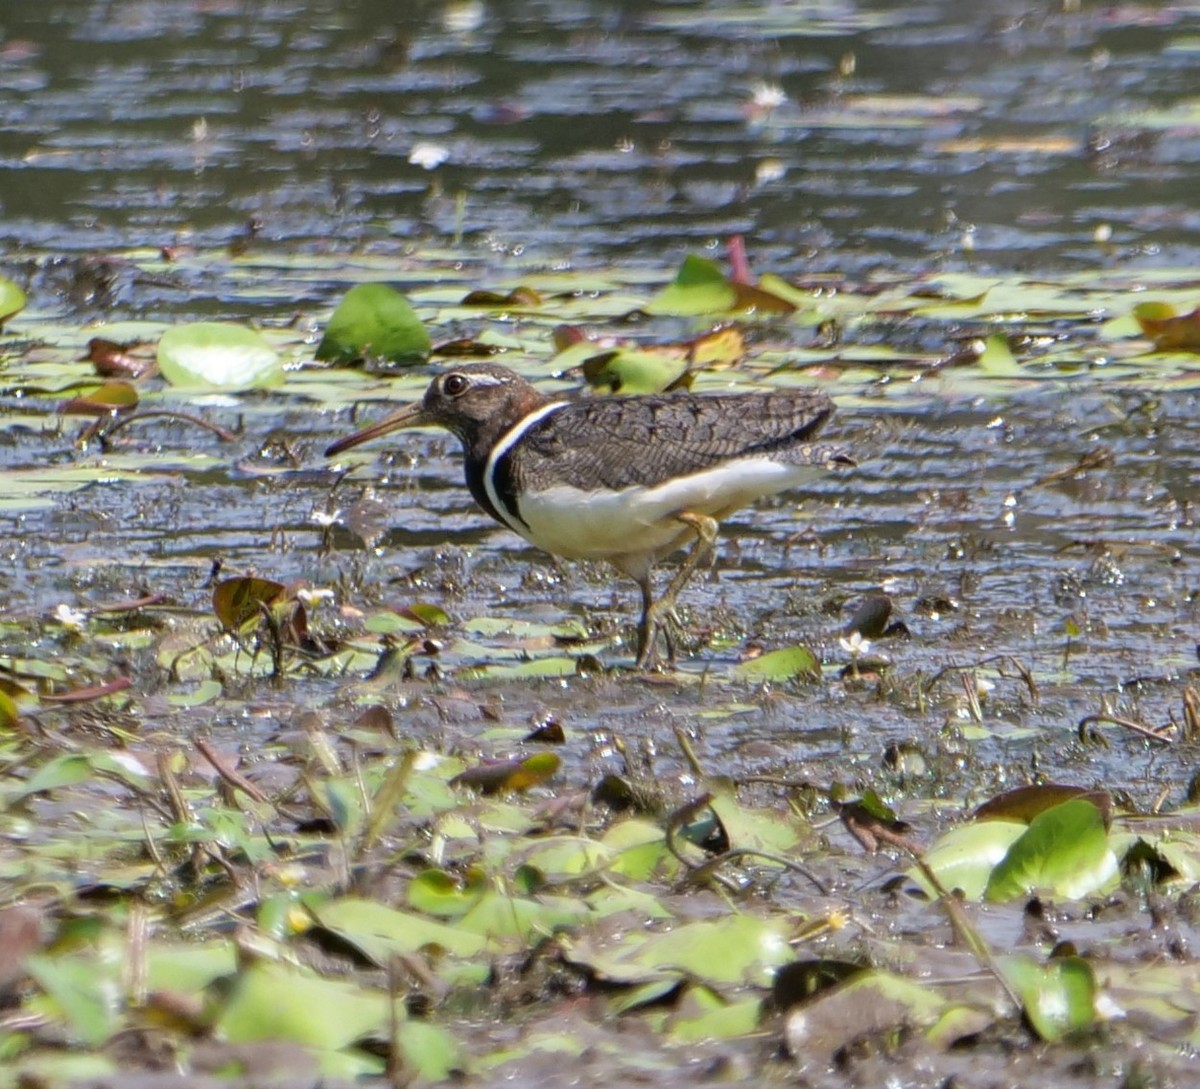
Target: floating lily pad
column 780, row 665
column 12, row 300
column 964, row 858
column 628, row 371
column 1059, row 997
column 374, row 321
column 219, row 355
column 1064, row 852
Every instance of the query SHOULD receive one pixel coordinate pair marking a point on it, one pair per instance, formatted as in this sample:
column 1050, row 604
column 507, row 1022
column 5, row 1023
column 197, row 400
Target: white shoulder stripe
column 510, row 438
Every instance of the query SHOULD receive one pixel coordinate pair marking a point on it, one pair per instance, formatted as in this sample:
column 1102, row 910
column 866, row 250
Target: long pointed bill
column 413, row 415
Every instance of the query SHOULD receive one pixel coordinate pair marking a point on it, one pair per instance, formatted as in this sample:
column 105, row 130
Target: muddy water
column 845, row 137
column 836, row 135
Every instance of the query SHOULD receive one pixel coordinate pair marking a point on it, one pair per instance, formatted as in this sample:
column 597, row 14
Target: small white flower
column 324, row 518
column 769, row 170
column 855, row 645
column 71, row 619
column 767, row 96
column 428, row 155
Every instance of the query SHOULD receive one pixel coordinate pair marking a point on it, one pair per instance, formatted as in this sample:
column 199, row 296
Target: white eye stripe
column 474, row 381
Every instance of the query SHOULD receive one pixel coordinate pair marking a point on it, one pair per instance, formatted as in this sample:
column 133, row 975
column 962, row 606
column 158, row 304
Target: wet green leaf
column 429, row 1050
column 1025, row 803
column 997, row 358
column 640, row 849
column 757, row 829
column 506, row 775
column 500, row 915
column 105, row 400
column 426, row 614
column 86, row 996
column 272, row 1001
column 780, row 665
column 965, row 857
column 65, row 770
column 699, row 287
column 240, row 603
column 1059, row 997
column 567, row 856
column 867, row 1005
column 12, row 300
column 1170, row 331
column 382, row 932
column 374, row 321
column 1064, row 852
column 555, row 666
column 628, row 371
column 186, row 969
column 204, row 692
column 703, row 1014
column 219, row 355
column 738, row 949
column 439, row 893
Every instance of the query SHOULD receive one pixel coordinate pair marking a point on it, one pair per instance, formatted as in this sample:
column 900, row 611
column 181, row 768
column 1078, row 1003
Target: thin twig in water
column 1129, row 724
column 166, row 414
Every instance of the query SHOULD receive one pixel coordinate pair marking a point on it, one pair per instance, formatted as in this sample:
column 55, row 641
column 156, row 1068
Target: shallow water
column 602, row 135
column 277, row 150
column 837, row 135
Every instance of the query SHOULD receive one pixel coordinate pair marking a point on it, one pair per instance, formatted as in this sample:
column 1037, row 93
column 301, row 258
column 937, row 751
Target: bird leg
column 659, row 616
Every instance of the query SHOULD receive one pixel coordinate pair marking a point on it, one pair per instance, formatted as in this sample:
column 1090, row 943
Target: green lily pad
column 1064, row 852
column 868, row 1004
column 628, row 371
column 273, row 1001
column 12, row 300
column 703, row 1014
column 737, row 949
column 500, row 915
column 966, row 856
column 780, row 665
column 85, row 996
column 1059, row 998
column 439, row 893
column 382, row 932
column 700, row 287
column 374, row 320
column 219, row 355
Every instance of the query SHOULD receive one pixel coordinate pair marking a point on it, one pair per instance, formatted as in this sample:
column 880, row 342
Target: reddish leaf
column 519, row 296
column 1169, row 331
column 1025, row 803
column 92, row 692
column 113, row 360
column 240, row 602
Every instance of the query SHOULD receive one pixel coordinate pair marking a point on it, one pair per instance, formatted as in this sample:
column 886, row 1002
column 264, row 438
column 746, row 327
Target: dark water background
column 598, row 132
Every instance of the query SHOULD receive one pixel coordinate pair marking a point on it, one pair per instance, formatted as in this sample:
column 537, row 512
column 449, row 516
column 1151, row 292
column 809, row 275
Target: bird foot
column 660, row 619
column 660, row 616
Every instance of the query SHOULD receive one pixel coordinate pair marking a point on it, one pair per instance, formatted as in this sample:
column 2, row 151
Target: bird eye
column 454, row 384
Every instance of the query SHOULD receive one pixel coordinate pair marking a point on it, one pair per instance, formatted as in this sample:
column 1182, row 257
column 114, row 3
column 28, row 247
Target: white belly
column 641, row 522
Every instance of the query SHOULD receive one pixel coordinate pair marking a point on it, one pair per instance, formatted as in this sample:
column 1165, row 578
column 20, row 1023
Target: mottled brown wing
column 621, row 441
